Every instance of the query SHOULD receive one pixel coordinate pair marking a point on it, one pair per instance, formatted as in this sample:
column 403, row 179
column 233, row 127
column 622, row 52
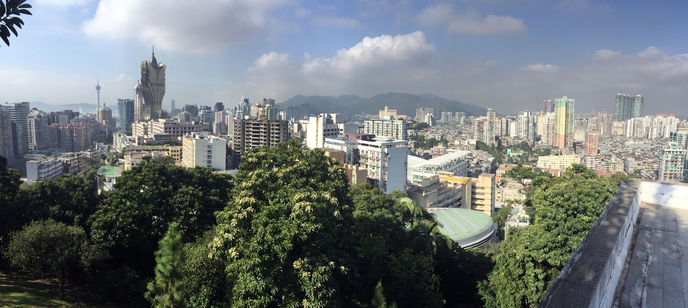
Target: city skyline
column 507, row 55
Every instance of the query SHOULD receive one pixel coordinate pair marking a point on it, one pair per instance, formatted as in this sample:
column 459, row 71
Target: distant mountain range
column 86, row 108
column 404, row 103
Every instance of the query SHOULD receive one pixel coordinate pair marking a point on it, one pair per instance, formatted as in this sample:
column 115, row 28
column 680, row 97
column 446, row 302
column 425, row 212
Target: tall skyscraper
column 152, row 87
column 20, row 128
column 563, row 121
column 219, row 106
column 98, row 91
column 139, row 103
column 548, row 106
column 38, row 130
column 244, row 109
column 592, row 143
column 490, row 127
column 126, row 113
column 628, row 107
column 172, row 105
column 6, row 138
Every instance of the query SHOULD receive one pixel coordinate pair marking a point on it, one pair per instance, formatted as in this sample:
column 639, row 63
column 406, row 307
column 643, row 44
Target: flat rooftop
column 635, row 255
column 656, row 273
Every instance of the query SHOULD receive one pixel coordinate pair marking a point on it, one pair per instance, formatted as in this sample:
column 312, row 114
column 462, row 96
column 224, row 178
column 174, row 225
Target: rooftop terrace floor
column 656, row 270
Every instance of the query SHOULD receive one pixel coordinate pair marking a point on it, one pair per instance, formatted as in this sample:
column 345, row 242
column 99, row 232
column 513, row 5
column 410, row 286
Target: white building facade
column 202, row 149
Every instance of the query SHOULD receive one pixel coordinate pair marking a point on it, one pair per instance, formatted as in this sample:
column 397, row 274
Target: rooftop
column 633, row 254
column 468, row 228
column 108, row 170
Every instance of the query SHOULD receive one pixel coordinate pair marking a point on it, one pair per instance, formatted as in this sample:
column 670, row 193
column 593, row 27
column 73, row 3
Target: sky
column 506, row 54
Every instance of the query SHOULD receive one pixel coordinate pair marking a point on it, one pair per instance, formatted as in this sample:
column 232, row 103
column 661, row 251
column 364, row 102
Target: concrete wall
column 667, row 194
column 590, row 277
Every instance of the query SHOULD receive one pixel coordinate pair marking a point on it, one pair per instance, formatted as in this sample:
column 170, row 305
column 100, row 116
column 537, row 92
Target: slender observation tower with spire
column 98, row 91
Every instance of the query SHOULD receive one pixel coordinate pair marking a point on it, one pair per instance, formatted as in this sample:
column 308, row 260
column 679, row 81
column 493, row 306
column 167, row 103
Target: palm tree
column 426, row 235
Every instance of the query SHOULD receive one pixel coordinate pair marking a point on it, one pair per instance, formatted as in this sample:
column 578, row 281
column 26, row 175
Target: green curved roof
column 461, row 224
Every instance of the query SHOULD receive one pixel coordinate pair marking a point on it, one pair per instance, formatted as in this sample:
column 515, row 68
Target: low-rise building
column 39, row 170
column 557, row 162
column 418, row 168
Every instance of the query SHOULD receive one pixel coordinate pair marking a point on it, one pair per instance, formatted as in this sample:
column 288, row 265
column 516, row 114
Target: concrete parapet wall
column 664, row 193
column 590, row 277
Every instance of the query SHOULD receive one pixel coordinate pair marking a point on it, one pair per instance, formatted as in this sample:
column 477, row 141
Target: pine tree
column 165, row 289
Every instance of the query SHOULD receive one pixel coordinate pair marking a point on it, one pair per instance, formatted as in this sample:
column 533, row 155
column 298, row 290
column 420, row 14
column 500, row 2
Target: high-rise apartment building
column 249, row 134
column 152, row 87
column 328, row 126
column 20, row 128
column 422, row 114
column 548, row 133
column 393, row 129
column 478, row 127
column 628, row 107
column 126, row 114
column 592, row 143
column 38, row 130
column 202, row 149
column 69, row 137
column 243, row 109
column 672, row 163
column 139, row 103
column 548, row 106
column 525, row 128
column 563, row 117
column 148, row 129
column 490, row 127
column 6, row 137
column 483, row 193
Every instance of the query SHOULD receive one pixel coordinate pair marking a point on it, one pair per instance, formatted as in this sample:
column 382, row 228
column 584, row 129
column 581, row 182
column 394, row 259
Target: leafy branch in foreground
column 11, row 23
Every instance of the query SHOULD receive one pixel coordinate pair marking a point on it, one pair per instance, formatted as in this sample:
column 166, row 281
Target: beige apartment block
column 483, row 196
column 557, row 162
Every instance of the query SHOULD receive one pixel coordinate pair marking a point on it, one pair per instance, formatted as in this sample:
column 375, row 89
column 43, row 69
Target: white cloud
column 62, row 3
column 439, row 14
column 408, row 63
column 471, row 22
column 541, row 68
column 187, row 26
column 605, row 54
column 491, row 24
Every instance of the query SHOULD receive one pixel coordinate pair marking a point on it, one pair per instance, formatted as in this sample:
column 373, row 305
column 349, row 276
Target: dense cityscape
column 291, row 196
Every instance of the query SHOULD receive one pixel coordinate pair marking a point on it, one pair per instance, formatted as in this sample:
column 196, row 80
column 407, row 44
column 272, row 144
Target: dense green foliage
column 289, row 231
column 50, row 248
column 564, row 209
column 419, row 126
column 428, row 143
column 499, row 152
column 286, row 233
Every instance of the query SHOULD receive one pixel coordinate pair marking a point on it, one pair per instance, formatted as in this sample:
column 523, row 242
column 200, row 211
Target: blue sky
column 505, row 54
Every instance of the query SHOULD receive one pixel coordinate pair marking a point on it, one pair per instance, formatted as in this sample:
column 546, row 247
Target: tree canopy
column 564, row 209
